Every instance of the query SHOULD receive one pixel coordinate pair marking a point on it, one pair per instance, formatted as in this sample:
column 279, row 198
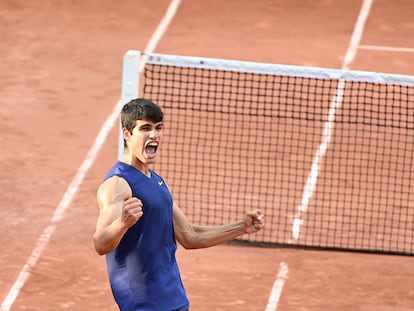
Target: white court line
column 357, row 34
column 327, row 133
column 277, row 287
column 326, row 138
column 386, row 48
column 80, row 175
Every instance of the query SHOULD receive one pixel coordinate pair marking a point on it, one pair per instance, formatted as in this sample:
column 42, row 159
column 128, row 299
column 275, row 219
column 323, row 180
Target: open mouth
column 151, row 148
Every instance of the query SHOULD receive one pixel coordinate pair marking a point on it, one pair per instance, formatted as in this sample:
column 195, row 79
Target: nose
column 152, row 134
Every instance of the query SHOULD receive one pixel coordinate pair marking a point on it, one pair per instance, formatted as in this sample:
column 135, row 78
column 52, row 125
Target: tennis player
column 139, row 223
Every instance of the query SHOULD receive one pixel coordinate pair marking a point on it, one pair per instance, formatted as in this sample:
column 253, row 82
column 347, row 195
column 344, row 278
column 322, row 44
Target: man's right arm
column 117, row 212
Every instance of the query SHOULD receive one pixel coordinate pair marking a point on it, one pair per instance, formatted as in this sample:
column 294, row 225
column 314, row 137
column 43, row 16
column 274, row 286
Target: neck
column 140, row 166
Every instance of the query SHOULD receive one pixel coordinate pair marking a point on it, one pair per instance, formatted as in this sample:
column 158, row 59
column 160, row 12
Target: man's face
column 144, row 141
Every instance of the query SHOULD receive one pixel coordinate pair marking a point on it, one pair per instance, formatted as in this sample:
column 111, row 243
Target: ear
column 126, row 134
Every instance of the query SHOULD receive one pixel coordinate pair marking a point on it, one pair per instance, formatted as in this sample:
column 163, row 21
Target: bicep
column 110, row 197
column 184, row 230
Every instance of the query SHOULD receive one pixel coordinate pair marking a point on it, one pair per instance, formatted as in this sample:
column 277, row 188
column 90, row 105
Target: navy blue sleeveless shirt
column 143, row 271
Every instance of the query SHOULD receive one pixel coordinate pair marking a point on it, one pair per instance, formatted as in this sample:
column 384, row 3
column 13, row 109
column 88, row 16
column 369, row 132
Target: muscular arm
column 117, row 212
column 195, row 236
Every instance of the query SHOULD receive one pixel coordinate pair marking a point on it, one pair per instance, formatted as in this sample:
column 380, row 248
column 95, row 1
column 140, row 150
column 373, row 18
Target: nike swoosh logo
column 160, row 182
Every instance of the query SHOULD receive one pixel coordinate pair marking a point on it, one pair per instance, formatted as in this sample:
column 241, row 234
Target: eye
column 146, row 128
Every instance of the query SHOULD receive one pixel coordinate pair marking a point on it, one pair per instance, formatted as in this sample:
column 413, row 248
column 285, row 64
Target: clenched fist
column 253, row 221
column 132, row 211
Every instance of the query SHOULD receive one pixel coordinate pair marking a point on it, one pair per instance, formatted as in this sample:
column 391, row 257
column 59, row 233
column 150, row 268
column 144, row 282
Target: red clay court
column 61, row 80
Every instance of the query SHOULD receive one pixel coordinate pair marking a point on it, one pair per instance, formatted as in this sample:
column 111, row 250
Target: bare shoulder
column 112, row 190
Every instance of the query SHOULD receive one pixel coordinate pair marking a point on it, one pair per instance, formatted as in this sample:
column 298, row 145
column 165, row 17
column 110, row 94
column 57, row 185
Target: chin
column 151, row 161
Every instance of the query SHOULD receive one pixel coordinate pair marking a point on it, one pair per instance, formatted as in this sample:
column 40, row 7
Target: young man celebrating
column 139, row 223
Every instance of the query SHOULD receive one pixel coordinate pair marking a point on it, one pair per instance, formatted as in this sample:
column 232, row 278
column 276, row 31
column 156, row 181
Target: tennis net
column 327, row 155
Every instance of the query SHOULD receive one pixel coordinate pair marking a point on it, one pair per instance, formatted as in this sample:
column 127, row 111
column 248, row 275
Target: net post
column 130, row 80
